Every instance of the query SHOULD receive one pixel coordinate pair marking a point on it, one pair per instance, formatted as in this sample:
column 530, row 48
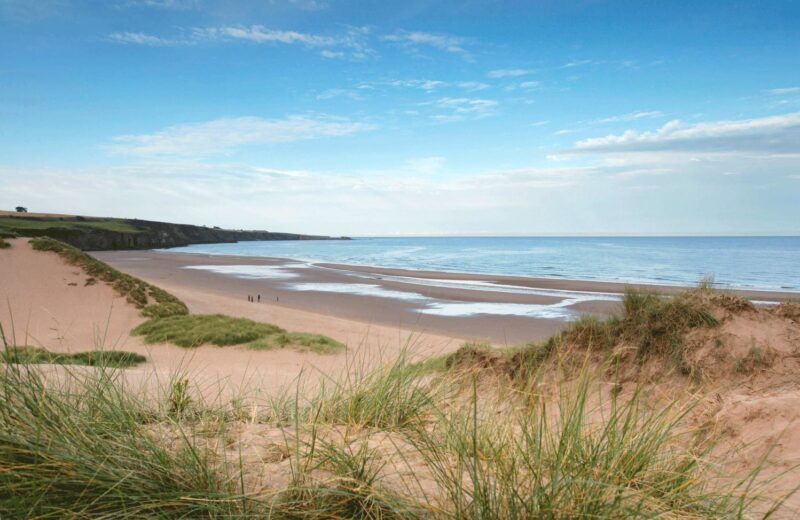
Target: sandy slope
column 47, row 303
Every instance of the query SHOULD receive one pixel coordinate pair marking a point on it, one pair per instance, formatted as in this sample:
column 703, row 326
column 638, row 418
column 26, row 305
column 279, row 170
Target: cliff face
column 109, row 234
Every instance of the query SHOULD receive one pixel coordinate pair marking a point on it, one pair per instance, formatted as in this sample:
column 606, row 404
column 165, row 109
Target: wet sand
column 499, row 309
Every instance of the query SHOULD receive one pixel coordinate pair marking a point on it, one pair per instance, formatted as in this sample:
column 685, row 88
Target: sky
column 424, row 117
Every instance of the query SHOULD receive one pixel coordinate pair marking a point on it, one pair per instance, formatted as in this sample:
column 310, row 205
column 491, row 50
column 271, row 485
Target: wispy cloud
column 416, row 39
column 139, row 38
column 631, row 116
column 783, row 91
column 471, row 85
column 463, row 107
column 769, row 135
column 509, row 73
column 332, row 93
column 424, row 84
column 260, row 34
column 428, row 85
column 352, row 43
column 221, row 135
column 162, row 4
column 529, row 85
column 576, row 63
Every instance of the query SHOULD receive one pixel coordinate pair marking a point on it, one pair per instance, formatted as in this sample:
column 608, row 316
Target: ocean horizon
column 746, row 262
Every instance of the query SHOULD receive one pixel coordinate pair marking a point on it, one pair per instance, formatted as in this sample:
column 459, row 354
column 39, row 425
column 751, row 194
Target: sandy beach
column 503, row 310
column 47, row 303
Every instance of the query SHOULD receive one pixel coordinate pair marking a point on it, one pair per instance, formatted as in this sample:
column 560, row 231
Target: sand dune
column 49, row 304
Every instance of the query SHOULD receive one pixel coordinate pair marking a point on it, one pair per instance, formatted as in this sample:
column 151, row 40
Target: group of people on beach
column 257, row 298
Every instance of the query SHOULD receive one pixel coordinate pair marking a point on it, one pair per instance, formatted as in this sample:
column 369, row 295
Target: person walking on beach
column 259, row 298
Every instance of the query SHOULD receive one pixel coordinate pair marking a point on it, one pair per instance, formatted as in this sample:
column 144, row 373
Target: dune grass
column 89, row 448
column 193, row 330
column 302, row 341
column 105, row 358
column 153, row 301
column 4, row 244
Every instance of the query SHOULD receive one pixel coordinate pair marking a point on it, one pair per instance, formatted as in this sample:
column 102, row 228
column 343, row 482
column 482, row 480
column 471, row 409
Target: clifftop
column 99, row 234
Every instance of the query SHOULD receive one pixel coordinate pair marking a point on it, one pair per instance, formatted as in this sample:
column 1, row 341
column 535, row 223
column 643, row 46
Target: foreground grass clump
column 136, row 291
column 88, row 448
column 4, row 244
column 103, row 358
column 655, row 324
column 80, row 449
column 193, row 330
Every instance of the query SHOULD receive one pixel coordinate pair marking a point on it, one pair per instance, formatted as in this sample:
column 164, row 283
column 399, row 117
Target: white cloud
column 783, row 91
column 352, row 43
column 416, row 39
column 472, row 85
column 769, row 135
column 529, row 85
column 260, row 34
column 576, row 63
column 424, row 84
column 224, row 134
column 509, row 73
column 163, row 4
column 332, row 93
column 142, row 39
column 331, row 54
column 632, row 116
column 461, row 107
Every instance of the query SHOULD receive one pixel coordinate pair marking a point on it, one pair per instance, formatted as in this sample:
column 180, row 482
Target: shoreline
column 545, row 282
column 495, row 308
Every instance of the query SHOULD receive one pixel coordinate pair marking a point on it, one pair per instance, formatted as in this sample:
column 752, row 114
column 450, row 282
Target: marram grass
column 88, row 448
column 104, row 358
column 193, row 330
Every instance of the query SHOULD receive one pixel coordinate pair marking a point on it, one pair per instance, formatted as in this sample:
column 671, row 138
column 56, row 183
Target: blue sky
column 413, row 117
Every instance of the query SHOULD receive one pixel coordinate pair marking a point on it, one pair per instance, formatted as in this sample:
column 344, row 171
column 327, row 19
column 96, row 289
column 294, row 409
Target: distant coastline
column 104, row 234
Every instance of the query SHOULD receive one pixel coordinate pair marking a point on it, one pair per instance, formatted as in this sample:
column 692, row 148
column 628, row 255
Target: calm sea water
column 747, row 262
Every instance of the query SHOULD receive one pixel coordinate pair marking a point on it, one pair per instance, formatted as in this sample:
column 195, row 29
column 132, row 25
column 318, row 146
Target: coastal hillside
column 102, row 234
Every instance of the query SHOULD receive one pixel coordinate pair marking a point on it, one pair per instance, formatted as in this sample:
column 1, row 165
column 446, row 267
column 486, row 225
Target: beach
column 503, row 310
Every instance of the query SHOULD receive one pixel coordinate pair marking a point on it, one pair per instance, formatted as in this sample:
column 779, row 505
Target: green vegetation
column 22, row 223
column 103, row 358
column 170, row 320
column 193, row 330
column 86, row 449
column 136, row 291
column 655, row 325
column 302, row 341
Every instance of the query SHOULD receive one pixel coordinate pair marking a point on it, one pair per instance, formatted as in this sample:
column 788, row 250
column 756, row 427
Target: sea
column 762, row 262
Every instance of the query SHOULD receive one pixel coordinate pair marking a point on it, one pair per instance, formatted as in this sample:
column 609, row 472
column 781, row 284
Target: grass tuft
column 103, row 358
column 193, row 330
